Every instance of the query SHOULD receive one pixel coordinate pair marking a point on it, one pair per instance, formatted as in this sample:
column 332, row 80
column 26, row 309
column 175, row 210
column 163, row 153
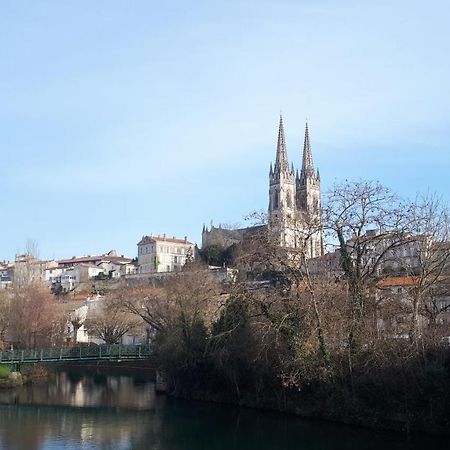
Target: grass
column 5, row 370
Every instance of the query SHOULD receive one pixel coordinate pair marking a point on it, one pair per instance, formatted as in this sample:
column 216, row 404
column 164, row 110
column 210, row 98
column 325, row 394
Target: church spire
column 307, row 164
column 281, row 162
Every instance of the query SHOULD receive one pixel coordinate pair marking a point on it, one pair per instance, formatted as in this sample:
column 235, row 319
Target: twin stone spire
column 294, row 200
column 282, row 161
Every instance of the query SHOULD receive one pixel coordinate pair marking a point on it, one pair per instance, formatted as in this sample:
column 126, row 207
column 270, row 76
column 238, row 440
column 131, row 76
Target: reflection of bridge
column 67, row 354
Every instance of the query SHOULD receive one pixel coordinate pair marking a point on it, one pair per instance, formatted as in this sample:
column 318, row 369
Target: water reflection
column 115, row 412
column 33, row 428
column 79, row 390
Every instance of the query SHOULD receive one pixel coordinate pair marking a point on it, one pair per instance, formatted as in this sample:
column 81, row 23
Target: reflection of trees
column 84, row 391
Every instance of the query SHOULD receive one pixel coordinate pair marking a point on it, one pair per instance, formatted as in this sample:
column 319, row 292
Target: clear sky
column 125, row 118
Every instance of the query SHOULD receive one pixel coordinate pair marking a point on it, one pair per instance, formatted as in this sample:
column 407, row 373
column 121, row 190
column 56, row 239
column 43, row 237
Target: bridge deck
column 60, row 354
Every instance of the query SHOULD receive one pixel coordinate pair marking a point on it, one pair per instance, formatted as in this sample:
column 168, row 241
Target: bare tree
column 36, row 319
column 431, row 227
column 4, row 314
column 27, row 266
column 299, row 290
column 367, row 221
column 32, row 248
column 147, row 302
column 436, row 305
column 187, row 295
column 77, row 319
column 110, row 324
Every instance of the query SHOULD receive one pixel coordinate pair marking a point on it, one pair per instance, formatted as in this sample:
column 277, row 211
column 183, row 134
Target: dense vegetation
column 264, row 352
column 313, row 344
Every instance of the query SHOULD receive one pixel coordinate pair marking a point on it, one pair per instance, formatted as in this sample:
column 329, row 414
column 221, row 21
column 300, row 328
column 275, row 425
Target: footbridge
column 81, row 353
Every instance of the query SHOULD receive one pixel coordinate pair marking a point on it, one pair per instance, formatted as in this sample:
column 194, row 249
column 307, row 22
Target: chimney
column 164, row 236
column 185, row 239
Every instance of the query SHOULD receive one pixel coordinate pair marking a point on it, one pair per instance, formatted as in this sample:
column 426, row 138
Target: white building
column 6, row 274
column 72, row 277
column 163, row 254
column 52, row 273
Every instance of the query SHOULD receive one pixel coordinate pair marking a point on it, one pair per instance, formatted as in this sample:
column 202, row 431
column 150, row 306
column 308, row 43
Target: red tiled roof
column 402, row 281
column 397, row 281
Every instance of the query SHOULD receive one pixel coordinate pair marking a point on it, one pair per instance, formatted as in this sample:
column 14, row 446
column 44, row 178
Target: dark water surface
column 118, row 412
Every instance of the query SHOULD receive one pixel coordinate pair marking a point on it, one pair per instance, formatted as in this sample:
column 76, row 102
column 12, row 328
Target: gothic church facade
column 294, row 214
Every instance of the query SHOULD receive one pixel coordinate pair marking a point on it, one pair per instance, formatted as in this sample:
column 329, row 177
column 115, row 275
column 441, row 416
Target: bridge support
column 161, row 385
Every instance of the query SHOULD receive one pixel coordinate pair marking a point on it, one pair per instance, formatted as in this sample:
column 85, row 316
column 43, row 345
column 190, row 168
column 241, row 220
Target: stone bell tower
column 308, row 199
column 282, row 196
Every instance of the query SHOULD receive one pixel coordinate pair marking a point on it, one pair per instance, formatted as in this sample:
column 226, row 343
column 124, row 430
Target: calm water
column 117, row 412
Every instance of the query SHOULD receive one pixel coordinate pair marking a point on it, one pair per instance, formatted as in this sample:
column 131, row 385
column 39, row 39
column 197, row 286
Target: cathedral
column 294, row 214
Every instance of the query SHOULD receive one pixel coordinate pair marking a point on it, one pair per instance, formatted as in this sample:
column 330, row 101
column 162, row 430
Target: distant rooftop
column 111, row 256
column 163, row 238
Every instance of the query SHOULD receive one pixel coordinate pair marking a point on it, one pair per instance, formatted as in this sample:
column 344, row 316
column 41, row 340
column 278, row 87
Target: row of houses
column 64, row 275
column 156, row 254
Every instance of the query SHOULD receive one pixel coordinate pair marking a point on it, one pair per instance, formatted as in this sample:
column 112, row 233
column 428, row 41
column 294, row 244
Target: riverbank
column 10, row 379
column 409, row 398
column 75, row 411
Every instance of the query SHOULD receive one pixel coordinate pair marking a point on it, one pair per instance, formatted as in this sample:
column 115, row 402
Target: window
column 276, row 200
column 288, row 200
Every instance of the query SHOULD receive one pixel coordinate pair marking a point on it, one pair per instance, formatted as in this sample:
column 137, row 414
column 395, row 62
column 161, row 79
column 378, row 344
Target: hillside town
column 399, row 263
column 339, row 291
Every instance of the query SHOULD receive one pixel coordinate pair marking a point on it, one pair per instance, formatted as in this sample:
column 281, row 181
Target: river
column 91, row 411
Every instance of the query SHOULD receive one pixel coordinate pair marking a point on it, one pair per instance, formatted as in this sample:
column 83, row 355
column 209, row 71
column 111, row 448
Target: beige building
column 163, row 254
column 398, row 293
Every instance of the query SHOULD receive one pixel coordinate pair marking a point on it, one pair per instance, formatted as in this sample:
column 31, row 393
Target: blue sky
column 125, row 118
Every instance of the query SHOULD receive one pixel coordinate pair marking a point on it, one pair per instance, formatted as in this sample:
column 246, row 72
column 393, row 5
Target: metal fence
column 95, row 352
